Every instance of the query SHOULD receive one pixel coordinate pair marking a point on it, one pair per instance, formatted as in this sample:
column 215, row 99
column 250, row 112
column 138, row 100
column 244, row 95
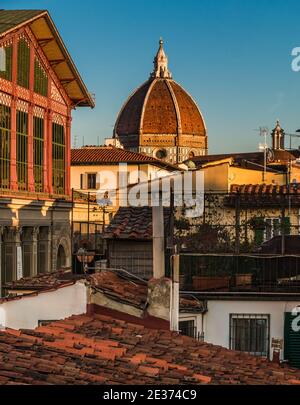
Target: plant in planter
column 257, row 223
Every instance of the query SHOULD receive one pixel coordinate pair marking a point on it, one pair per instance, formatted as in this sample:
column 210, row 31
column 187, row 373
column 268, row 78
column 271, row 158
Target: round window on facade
column 161, row 154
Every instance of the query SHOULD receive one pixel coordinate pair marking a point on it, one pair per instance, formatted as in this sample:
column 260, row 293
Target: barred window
column 58, row 159
column 22, row 149
column 40, row 79
column 5, row 126
column 250, row 333
column 23, row 63
column 38, row 153
column 6, row 65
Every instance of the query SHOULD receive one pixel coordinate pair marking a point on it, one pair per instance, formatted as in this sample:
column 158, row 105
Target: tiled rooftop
column 280, row 156
column 265, row 189
column 105, row 350
column 123, row 288
column 120, row 287
column 133, row 223
column 111, row 155
column 44, row 281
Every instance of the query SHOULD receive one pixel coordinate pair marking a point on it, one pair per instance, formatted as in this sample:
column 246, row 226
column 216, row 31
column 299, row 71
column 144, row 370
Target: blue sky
column 233, row 56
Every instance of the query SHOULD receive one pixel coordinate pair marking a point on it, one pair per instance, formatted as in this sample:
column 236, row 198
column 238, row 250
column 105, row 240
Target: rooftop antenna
column 264, row 131
column 75, row 141
column 83, row 141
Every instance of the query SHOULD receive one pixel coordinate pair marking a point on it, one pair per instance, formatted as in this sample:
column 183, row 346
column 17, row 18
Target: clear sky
column 233, row 56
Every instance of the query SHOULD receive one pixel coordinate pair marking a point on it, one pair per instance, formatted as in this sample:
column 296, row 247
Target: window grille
column 188, row 328
column 40, row 79
column 7, row 63
column 23, row 63
column 38, row 153
column 58, row 159
column 5, row 128
column 22, row 150
column 250, row 333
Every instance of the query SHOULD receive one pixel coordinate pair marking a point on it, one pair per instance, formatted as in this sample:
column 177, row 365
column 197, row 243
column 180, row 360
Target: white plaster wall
column 216, row 320
column 25, row 313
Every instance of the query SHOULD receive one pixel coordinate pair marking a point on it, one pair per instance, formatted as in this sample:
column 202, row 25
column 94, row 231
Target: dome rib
column 159, row 113
column 126, row 106
column 191, row 118
column 144, row 107
column 179, row 126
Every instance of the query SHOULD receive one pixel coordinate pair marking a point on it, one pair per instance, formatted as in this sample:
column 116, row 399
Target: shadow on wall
column 36, row 234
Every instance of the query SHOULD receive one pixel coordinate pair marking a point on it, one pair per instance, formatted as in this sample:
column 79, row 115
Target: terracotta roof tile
column 100, row 155
column 44, row 281
column 133, row 223
column 96, row 355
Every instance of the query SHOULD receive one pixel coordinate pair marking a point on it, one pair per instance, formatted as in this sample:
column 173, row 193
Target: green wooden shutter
column 287, row 225
column 258, row 236
column 291, row 341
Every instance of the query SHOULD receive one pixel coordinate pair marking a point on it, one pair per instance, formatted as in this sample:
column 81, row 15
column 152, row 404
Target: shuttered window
column 292, row 338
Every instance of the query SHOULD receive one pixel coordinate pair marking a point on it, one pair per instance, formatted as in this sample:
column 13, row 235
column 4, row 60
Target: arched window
column 38, row 153
column 22, row 150
column 5, row 126
column 58, row 159
column 23, row 63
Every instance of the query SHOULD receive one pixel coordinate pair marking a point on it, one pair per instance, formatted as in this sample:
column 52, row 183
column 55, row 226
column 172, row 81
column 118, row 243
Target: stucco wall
column 54, row 305
column 216, row 320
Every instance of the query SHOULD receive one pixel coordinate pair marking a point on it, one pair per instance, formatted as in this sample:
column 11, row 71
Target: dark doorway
column 61, row 258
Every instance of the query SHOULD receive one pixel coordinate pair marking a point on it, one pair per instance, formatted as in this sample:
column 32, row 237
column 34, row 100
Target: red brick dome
column 160, row 113
column 160, row 106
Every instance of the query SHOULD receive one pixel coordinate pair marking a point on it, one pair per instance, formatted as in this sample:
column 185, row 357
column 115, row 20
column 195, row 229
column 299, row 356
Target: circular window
column 161, row 154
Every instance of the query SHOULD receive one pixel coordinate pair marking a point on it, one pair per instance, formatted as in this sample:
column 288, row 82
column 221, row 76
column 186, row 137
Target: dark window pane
column 5, row 125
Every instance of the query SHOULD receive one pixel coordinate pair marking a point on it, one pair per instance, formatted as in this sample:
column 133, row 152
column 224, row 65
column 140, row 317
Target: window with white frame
column 250, row 333
column 272, row 228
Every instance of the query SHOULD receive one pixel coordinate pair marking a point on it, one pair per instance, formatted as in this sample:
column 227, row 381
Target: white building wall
column 216, row 320
column 25, row 313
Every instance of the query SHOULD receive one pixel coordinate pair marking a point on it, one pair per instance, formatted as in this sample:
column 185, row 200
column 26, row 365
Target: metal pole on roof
column 72, row 228
column 88, row 216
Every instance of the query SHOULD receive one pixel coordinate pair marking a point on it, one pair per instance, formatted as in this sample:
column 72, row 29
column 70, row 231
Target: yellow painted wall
column 149, row 171
column 220, row 177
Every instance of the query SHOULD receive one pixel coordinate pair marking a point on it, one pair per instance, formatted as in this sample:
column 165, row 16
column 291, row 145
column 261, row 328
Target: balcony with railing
column 249, row 273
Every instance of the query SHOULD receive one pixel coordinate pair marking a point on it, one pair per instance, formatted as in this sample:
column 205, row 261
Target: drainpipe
column 175, row 294
column 158, row 244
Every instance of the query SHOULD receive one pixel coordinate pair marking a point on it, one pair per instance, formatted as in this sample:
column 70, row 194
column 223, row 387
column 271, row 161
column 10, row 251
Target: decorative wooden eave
column 48, row 37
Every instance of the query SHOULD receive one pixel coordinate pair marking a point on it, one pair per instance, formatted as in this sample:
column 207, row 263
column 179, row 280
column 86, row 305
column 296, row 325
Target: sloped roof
column 279, row 157
column 54, row 48
column 10, row 19
column 133, row 223
column 125, row 288
column 44, row 281
column 100, row 155
column 265, row 189
column 104, row 350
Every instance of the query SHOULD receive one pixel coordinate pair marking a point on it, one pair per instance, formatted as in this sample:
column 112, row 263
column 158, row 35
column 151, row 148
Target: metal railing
column 240, row 273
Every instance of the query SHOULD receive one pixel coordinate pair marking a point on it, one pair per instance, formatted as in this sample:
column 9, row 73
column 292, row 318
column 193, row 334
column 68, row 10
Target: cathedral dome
column 161, row 119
